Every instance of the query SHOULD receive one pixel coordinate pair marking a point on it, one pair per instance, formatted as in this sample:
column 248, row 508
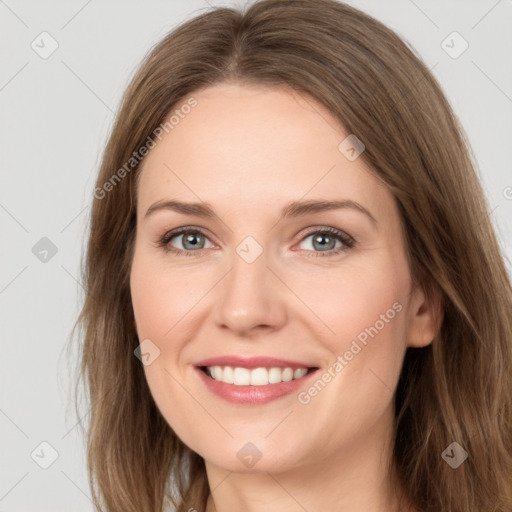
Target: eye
column 325, row 241
column 192, row 239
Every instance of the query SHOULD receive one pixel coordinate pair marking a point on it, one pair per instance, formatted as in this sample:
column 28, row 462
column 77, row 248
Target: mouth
column 261, row 376
column 255, row 381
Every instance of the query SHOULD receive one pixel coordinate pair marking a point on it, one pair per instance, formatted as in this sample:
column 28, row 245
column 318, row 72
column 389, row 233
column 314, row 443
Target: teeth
column 259, row 377
column 227, row 375
column 241, row 376
column 255, row 377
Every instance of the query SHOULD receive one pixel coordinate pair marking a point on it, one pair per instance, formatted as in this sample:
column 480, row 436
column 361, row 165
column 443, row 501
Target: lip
column 253, row 362
column 253, row 395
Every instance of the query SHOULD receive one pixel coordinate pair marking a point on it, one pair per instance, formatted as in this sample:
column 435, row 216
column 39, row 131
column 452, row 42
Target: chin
column 256, row 457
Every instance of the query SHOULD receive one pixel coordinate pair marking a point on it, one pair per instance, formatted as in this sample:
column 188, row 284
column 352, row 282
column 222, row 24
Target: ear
column 425, row 315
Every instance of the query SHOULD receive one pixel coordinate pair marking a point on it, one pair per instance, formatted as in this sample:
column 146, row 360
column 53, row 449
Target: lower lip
column 252, row 395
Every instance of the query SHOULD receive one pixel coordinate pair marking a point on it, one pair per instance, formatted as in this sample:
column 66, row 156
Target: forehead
column 254, row 145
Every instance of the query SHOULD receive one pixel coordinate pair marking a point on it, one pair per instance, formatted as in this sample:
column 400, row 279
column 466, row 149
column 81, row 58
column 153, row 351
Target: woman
column 295, row 297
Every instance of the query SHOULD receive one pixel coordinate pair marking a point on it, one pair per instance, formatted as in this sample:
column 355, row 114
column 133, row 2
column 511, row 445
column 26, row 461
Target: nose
column 251, row 297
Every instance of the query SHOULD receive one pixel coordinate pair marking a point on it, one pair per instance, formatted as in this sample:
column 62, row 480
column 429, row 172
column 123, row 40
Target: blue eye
column 193, row 241
column 326, row 239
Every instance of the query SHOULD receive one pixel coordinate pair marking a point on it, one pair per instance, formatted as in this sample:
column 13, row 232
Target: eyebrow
column 291, row 210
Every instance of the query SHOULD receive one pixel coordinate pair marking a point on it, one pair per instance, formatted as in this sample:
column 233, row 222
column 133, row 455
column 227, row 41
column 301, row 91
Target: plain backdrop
column 56, row 113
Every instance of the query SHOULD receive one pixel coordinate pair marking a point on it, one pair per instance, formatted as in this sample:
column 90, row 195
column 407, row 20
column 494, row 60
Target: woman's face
column 260, row 278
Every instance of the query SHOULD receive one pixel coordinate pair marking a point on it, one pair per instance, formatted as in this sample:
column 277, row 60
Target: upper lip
column 252, row 362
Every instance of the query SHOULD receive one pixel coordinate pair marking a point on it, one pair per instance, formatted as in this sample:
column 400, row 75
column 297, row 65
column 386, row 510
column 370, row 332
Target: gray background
column 56, row 114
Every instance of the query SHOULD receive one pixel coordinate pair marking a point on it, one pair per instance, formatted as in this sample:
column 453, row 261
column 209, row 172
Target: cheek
column 152, row 304
column 354, row 302
column 158, row 306
column 367, row 354
column 365, row 310
column 161, row 297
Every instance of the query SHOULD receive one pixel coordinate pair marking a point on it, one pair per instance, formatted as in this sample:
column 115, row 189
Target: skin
column 248, row 151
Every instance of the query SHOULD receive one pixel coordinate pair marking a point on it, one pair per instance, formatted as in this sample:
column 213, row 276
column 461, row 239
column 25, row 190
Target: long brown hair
column 457, row 389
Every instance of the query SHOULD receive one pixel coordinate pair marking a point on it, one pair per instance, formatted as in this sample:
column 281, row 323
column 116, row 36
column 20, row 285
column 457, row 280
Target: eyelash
column 348, row 242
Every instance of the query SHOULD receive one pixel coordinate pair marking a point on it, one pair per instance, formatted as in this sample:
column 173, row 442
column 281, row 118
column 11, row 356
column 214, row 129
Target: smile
column 243, row 392
column 240, row 376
